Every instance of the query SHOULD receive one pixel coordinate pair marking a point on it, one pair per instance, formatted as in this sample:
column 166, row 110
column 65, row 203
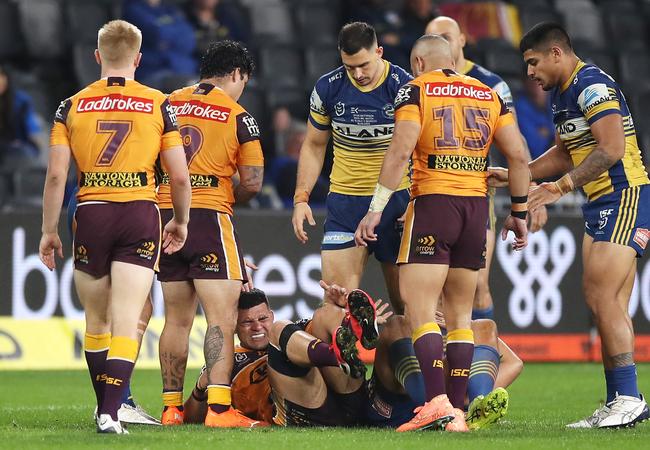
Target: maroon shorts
column 445, row 229
column 107, row 231
column 211, row 251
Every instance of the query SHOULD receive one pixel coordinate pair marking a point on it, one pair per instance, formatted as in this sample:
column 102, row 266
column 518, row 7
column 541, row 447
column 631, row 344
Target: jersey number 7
column 118, row 131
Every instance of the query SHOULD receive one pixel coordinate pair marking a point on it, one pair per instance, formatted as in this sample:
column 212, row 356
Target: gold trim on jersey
column 579, row 65
column 229, row 245
column 627, row 213
column 405, row 244
column 377, row 84
column 468, row 66
column 322, row 119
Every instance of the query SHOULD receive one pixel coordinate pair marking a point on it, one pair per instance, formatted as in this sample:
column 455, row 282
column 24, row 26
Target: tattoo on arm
column 597, row 162
column 623, row 359
column 213, row 346
column 173, row 370
column 251, row 178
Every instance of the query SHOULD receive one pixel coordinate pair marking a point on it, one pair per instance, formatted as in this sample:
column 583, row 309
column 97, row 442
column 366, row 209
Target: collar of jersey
column 379, row 82
column 468, row 66
column 568, row 82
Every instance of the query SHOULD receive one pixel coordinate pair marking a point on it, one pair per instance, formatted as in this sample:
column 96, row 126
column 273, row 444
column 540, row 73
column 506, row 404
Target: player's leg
column 511, row 365
column 483, row 307
column 344, row 267
column 391, row 278
column 173, row 348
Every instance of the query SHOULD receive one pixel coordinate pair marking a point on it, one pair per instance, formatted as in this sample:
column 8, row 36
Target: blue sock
column 483, row 372
column 405, row 365
column 486, row 313
column 621, row 381
column 127, row 397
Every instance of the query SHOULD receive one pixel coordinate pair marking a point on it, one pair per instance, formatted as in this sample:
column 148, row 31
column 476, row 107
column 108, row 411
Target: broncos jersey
column 490, row 79
column 588, row 95
column 362, row 120
column 251, row 389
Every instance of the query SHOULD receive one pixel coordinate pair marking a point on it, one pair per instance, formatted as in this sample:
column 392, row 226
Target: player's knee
column 485, row 331
column 276, row 331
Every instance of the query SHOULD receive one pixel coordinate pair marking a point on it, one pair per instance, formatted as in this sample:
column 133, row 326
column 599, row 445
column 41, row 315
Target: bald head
column 449, row 29
column 431, row 52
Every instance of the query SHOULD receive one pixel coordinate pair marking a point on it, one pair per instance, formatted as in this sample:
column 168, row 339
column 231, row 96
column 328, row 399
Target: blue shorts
column 344, row 212
column 622, row 217
column 72, row 207
column 387, row 409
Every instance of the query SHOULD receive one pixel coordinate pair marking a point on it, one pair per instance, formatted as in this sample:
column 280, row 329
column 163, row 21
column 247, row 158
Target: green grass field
column 54, row 410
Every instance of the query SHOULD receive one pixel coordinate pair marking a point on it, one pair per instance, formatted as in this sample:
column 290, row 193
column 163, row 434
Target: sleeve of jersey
column 505, row 116
column 598, row 98
column 248, row 135
column 317, row 109
column 505, row 93
column 170, row 135
column 407, row 103
column 59, row 132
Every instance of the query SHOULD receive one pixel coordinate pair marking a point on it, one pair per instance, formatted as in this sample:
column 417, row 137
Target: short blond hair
column 118, row 43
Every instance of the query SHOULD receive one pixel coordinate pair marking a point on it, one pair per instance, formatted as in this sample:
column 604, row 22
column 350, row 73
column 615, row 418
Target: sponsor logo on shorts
column 146, row 250
column 81, row 254
column 383, row 409
column 425, row 246
column 641, row 237
column 337, row 237
column 115, row 102
column 458, row 162
column 210, row 262
column 113, row 179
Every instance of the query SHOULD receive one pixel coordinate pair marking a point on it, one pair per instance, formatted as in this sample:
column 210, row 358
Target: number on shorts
column 192, row 141
column 475, row 121
column 118, row 131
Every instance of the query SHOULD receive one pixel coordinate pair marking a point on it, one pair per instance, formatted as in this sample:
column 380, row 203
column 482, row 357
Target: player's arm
column 509, row 142
column 53, row 193
column 310, row 165
column 250, row 182
column 175, row 231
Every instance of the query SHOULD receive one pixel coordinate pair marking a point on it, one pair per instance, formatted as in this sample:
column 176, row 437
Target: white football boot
column 593, row 420
column 625, row 411
column 106, row 424
column 137, row 415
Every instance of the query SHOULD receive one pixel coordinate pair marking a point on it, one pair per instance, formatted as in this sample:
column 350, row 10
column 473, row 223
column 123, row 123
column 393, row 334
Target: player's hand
column 174, row 235
column 382, row 314
column 537, row 219
column 497, row 177
column 542, row 195
column 302, row 211
column 518, row 227
column 366, row 230
column 246, row 287
column 50, row 242
column 334, row 294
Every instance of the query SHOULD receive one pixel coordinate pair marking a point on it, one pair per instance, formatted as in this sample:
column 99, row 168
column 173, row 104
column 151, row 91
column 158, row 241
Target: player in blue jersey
column 354, row 105
column 596, row 149
column 450, row 30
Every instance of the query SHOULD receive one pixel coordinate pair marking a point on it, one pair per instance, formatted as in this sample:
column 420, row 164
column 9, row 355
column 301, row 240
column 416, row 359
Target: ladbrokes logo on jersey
column 200, row 110
column 458, row 90
column 115, row 103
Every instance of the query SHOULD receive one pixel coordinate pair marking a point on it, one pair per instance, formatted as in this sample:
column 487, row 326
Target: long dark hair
column 7, row 129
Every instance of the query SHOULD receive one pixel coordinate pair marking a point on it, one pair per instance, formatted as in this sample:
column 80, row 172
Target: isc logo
column 437, row 363
column 103, row 378
column 459, row 372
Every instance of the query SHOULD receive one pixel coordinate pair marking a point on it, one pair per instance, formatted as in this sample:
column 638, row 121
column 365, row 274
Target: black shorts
column 445, row 229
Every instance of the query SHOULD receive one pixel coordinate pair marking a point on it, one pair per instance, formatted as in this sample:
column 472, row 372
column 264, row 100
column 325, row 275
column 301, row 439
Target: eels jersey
column 218, row 135
column 362, row 120
column 116, row 129
column 459, row 116
column 491, row 80
column 251, row 389
column 588, row 95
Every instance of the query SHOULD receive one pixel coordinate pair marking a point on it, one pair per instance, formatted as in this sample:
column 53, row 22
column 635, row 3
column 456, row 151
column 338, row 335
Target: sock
column 200, row 395
column 483, row 372
column 95, row 349
column 119, row 366
column 321, row 354
column 485, row 313
column 460, row 348
column 621, row 381
column 427, row 345
column 127, row 397
column 172, row 398
column 219, row 399
column 407, row 369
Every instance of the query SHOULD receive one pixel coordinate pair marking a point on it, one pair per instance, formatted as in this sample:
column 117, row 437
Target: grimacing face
column 364, row 66
column 542, row 67
column 254, row 326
